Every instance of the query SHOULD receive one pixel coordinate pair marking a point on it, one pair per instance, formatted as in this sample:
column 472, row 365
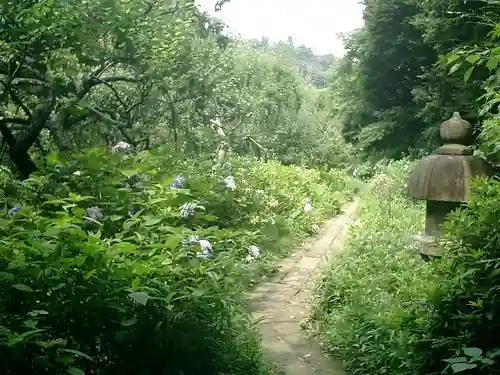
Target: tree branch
column 94, row 81
column 39, row 121
column 6, row 133
column 100, row 115
column 17, row 100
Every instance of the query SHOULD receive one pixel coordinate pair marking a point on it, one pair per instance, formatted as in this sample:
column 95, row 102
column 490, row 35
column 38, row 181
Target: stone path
column 279, row 305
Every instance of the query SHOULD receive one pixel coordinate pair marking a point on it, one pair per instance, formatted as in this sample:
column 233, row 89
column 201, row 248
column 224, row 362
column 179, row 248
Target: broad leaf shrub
column 136, row 264
column 370, row 304
column 466, row 323
column 382, row 310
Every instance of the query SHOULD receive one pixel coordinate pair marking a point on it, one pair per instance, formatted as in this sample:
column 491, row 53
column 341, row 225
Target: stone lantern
column 443, row 179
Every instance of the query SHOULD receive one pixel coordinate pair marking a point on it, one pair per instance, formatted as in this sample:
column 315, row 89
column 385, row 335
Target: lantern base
column 427, row 246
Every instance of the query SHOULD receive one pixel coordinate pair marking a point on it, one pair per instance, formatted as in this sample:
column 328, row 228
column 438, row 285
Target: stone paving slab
column 280, row 304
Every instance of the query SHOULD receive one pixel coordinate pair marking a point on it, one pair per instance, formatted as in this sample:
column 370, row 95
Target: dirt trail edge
column 280, row 304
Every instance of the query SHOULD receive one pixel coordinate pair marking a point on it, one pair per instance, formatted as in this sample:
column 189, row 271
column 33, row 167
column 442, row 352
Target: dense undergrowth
column 383, row 310
column 121, row 264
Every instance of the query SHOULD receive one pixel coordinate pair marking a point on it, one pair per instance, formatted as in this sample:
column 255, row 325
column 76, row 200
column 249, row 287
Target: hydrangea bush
column 136, row 264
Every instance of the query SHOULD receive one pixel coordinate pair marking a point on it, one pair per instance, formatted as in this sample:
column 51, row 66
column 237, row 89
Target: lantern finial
column 456, row 130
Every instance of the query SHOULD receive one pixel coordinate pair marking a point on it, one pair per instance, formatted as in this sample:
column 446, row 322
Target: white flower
column 307, row 206
column 259, row 191
column 191, row 240
column 229, row 181
column 254, row 251
column 178, row 183
column 188, row 209
column 273, row 203
column 121, row 147
column 77, row 173
column 206, row 249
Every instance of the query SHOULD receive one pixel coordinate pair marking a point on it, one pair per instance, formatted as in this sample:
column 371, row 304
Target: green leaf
column 6, row 275
column 50, row 344
column 452, row 58
column 135, row 283
column 198, row 292
column 455, row 360
column 125, row 246
column 128, row 322
column 150, row 221
column 23, row 288
column 139, row 297
column 473, row 352
column 16, row 339
column 488, row 362
column 473, row 58
column 75, row 371
column 77, row 353
column 494, row 353
column 38, row 312
column 492, row 64
column 31, row 323
column 468, row 73
column 460, row 367
column 454, row 68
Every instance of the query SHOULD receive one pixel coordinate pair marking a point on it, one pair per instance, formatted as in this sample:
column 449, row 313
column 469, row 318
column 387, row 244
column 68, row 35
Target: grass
column 368, row 303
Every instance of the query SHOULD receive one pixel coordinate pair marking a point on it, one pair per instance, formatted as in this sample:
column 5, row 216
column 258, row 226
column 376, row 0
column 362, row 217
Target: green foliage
column 381, row 309
column 91, row 286
column 76, row 75
column 393, row 88
column 370, row 304
column 312, row 66
column 466, row 304
column 99, row 269
column 375, row 80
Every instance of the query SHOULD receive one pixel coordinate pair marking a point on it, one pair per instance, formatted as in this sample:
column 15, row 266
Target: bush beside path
column 137, row 264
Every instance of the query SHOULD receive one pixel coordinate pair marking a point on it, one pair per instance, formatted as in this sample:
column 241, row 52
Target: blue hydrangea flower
column 94, row 213
column 13, row 211
column 205, row 245
column 206, row 249
column 179, row 183
column 230, row 183
column 253, row 253
column 191, row 240
column 132, row 211
column 188, row 209
column 121, row 146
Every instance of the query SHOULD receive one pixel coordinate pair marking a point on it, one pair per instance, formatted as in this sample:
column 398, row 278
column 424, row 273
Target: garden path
column 280, row 304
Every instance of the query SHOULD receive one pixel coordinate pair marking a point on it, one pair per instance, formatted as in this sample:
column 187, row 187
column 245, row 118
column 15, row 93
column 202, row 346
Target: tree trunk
column 23, row 163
